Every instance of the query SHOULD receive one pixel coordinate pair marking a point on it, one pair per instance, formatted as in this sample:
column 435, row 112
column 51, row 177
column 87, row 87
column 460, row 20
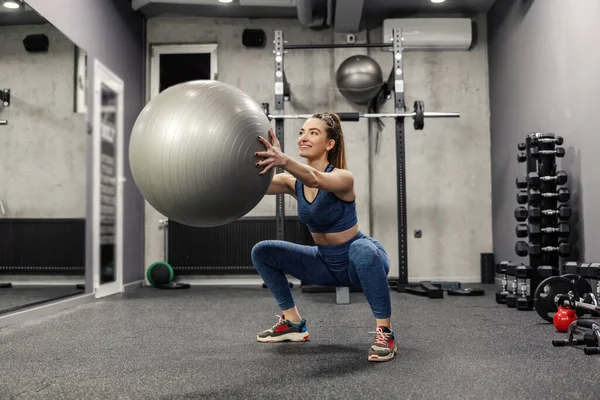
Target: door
column 108, row 182
column 171, row 65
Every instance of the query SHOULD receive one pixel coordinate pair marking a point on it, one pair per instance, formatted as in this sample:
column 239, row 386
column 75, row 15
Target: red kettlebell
column 563, row 318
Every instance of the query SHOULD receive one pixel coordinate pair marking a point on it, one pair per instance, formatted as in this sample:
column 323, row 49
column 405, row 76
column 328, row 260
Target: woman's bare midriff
column 332, row 239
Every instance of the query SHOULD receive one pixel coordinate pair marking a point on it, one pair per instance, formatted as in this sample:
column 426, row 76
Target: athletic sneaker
column 384, row 348
column 284, row 331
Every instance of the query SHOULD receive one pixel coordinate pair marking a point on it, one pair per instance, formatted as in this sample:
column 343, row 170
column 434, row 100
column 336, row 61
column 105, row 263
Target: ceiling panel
column 377, row 7
column 166, row 10
column 372, row 8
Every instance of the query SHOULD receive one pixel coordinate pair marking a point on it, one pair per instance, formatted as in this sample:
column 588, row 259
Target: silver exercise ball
column 359, row 78
column 192, row 153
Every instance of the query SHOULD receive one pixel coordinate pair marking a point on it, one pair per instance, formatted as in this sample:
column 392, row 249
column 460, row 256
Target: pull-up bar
column 335, row 46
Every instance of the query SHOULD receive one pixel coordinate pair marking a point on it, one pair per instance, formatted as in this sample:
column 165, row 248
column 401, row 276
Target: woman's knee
column 260, row 251
column 366, row 254
column 363, row 251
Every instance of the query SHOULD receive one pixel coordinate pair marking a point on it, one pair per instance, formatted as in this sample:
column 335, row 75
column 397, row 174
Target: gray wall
column 448, row 163
column 113, row 33
column 544, row 78
column 43, row 147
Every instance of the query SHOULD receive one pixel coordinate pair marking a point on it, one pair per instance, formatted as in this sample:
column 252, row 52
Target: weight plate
column 419, row 118
column 543, row 298
column 466, row 292
column 175, row 285
column 583, row 285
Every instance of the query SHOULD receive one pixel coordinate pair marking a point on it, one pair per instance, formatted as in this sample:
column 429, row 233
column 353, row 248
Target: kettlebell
column 563, row 318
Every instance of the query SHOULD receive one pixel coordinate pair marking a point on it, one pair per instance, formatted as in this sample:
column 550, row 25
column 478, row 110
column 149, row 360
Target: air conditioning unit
column 431, row 33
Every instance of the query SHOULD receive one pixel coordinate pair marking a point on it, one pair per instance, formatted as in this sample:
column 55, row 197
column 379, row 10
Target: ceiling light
column 437, row 1
column 225, row 1
column 12, row 4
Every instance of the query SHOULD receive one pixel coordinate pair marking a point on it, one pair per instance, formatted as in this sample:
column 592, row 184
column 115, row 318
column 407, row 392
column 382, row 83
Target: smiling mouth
column 304, row 147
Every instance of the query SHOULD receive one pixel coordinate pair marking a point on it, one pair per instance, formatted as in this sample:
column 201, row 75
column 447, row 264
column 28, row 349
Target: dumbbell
column 535, row 152
column 512, row 294
column 501, row 268
column 557, row 140
column 535, row 195
column 534, row 178
column 590, row 271
column 545, row 271
column 563, row 212
column 521, row 214
column 522, row 230
column 523, row 248
column 522, row 146
column 521, row 182
column 521, row 157
column 525, row 301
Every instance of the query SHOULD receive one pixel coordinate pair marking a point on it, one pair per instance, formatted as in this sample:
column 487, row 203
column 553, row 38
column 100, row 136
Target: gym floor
column 200, row 343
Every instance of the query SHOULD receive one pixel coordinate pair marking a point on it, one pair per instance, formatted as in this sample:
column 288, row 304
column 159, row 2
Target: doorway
column 174, row 64
column 108, row 182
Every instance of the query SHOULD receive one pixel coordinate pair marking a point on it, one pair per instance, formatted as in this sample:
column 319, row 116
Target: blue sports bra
column 327, row 213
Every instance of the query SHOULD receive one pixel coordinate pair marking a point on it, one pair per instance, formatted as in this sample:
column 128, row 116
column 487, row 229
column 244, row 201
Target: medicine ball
column 359, row 78
column 160, row 275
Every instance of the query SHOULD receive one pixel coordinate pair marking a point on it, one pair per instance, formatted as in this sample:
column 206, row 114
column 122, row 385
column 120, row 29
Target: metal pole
column 279, row 108
column 400, row 160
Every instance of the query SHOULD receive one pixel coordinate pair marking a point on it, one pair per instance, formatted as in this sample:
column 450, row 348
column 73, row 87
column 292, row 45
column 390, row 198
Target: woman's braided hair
column 333, row 124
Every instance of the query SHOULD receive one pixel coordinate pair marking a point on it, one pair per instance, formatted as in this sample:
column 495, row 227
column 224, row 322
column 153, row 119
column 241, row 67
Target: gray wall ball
column 359, row 78
column 192, row 149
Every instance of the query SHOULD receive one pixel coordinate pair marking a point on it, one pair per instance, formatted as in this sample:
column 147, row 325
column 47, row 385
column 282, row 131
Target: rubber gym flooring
column 200, row 343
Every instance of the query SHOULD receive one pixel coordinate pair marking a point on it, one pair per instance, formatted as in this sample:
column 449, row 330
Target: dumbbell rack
column 547, row 228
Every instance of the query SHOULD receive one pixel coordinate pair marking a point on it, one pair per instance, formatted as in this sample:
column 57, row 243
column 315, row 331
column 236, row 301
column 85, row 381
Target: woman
column 343, row 256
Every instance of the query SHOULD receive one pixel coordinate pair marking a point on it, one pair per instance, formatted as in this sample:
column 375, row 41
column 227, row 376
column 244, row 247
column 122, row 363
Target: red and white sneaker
column 384, row 348
column 284, row 331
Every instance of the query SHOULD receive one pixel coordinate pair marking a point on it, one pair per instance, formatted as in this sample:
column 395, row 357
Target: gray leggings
column 361, row 262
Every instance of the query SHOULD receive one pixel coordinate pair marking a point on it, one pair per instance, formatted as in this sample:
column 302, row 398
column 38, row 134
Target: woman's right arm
column 282, row 184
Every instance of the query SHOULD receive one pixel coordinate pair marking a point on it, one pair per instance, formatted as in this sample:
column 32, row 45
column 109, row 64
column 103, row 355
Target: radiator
column 226, row 249
column 42, row 246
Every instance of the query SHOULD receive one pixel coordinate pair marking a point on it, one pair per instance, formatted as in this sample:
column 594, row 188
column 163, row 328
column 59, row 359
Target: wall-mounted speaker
column 254, row 38
column 36, row 43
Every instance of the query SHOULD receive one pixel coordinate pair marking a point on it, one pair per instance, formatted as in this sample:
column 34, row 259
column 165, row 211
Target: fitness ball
column 192, row 149
column 359, row 78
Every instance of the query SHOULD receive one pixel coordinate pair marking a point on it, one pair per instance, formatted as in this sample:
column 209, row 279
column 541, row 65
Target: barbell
column 418, row 115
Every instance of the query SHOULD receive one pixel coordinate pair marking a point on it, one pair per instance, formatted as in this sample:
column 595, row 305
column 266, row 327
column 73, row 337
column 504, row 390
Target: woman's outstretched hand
column 272, row 156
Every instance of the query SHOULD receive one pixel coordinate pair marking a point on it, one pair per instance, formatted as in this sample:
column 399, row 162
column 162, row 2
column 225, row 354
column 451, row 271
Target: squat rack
column 395, row 81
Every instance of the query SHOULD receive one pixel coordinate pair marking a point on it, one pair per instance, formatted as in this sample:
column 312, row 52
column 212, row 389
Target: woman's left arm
column 337, row 181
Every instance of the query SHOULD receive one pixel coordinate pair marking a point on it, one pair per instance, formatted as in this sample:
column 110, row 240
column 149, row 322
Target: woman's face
column 312, row 140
